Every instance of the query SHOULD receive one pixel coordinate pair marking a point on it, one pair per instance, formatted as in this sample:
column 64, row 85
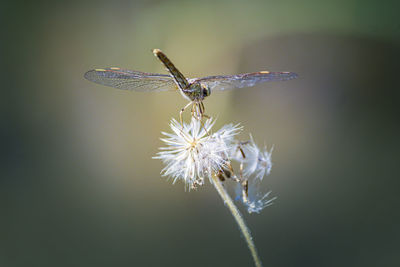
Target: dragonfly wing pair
column 152, row 82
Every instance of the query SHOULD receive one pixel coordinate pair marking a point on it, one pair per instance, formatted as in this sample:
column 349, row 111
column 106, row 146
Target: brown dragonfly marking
column 194, row 89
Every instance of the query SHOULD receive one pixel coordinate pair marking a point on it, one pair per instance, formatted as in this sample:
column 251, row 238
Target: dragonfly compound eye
column 206, row 90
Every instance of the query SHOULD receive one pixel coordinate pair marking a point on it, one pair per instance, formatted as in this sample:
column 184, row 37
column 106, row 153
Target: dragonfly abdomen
column 176, row 74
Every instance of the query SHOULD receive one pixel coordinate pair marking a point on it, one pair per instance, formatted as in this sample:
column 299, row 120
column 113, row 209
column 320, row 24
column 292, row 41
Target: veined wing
column 226, row 82
column 131, row 80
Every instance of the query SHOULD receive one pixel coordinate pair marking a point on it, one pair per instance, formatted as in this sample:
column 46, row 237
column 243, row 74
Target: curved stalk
column 239, row 219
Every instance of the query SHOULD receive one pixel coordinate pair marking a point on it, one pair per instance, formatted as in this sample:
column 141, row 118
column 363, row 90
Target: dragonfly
column 193, row 89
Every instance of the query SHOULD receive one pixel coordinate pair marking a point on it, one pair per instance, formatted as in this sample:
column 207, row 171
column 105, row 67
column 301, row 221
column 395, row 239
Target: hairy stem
column 239, row 219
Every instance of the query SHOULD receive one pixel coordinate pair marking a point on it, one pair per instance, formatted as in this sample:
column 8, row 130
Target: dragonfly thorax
column 196, row 91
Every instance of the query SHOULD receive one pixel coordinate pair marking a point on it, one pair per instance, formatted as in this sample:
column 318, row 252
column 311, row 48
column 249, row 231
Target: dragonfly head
column 206, row 91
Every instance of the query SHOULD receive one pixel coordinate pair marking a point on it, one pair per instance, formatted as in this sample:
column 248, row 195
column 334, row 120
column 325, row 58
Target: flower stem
column 239, row 219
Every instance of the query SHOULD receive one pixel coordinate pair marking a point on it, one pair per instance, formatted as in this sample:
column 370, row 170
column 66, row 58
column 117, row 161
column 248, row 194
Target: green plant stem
column 239, row 219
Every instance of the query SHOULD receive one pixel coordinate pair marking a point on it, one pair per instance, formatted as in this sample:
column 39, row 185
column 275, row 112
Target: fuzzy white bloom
column 257, row 200
column 256, row 164
column 255, row 160
column 193, row 153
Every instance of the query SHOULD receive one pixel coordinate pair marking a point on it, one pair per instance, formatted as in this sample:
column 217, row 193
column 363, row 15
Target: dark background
column 78, row 186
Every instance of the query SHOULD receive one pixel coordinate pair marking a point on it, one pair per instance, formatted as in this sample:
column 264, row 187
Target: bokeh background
column 78, row 185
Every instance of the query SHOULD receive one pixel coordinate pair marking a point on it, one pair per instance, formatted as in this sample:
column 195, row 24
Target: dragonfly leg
column 200, row 115
column 181, row 112
column 202, row 108
column 196, row 110
column 203, row 111
column 199, row 109
column 193, row 110
column 202, row 125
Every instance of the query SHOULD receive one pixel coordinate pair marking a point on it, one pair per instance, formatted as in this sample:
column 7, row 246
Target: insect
column 194, row 89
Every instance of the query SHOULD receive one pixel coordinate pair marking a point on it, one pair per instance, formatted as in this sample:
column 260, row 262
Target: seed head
column 193, row 153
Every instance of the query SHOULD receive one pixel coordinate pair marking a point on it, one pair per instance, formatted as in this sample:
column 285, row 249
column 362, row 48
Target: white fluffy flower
column 256, row 164
column 257, row 200
column 256, row 161
column 193, row 153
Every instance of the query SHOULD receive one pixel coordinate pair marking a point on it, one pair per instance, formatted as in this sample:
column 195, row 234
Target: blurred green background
column 78, row 186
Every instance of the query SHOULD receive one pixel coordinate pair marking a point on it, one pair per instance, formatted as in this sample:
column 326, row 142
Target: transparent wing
column 131, row 80
column 226, row 82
